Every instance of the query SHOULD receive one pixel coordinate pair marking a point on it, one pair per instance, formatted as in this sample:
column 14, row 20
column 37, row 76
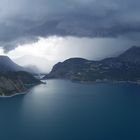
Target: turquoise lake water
column 62, row 110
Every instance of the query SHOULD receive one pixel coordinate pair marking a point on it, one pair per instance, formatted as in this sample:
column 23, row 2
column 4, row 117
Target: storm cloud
column 24, row 21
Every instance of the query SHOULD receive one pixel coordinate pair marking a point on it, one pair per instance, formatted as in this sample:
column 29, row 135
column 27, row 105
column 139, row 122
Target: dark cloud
column 22, row 21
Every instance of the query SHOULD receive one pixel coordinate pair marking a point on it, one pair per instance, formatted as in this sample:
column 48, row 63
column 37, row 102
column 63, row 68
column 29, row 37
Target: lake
column 62, row 110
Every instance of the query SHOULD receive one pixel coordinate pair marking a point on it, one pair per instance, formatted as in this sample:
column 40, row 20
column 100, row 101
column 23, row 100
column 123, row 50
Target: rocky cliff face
column 9, row 87
column 125, row 67
column 13, row 79
column 16, row 82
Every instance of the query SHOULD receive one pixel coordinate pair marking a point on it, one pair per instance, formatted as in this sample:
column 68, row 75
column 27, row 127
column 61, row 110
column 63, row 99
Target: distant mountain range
column 125, row 67
column 6, row 64
column 34, row 63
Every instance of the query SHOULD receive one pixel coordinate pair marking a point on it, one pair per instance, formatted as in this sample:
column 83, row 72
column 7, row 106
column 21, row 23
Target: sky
column 55, row 30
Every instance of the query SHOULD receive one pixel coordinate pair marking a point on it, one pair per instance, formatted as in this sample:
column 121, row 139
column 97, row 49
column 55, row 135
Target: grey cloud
column 26, row 20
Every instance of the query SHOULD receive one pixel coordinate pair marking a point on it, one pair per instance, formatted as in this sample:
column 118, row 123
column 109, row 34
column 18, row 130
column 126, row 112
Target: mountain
column 125, row 67
column 6, row 64
column 132, row 55
column 32, row 69
column 43, row 65
column 13, row 78
column 16, row 82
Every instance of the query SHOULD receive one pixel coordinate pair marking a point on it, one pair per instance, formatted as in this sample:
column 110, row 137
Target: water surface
column 62, row 110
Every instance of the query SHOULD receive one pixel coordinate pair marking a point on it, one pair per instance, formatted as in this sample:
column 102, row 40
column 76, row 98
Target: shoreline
column 78, row 82
column 18, row 93
column 100, row 82
column 96, row 82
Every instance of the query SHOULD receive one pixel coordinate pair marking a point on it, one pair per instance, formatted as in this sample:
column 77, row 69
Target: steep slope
column 6, row 64
column 68, row 68
column 132, row 55
column 16, row 82
column 13, row 79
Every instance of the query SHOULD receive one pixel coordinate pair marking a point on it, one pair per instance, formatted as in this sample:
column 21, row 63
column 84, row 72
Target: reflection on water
column 62, row 110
